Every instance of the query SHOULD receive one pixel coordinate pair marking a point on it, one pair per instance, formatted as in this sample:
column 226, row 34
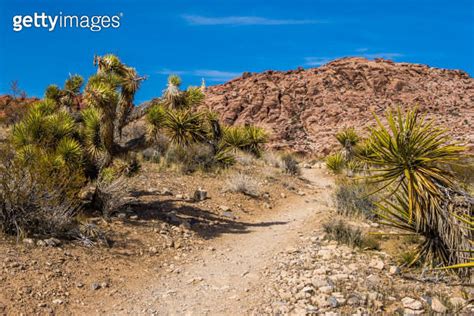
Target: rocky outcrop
column 303, row 108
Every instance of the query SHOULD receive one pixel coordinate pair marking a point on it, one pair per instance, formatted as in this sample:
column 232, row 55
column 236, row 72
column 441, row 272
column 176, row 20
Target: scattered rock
column 200, row 195
column 377, row 264
column 95, row 286
column 224, row 208
column 394, row 270
column 412, row 304
column 437, row 306
column 166, row 191
column 28, row 241
column 52, row 242
column 228, row 214
column 58, row 301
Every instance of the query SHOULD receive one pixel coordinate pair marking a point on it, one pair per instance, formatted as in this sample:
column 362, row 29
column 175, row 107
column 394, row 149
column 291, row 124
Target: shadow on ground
column 203, row 222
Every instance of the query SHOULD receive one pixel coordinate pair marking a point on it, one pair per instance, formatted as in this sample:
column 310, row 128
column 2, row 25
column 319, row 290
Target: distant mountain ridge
column 304, row 108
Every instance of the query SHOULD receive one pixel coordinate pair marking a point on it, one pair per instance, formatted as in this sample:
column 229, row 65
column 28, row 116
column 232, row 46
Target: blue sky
column 218, row 40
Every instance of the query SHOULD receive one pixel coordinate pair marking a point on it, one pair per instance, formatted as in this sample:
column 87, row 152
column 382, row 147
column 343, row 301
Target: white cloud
column 243, row 20
column 208, row 74
column 318, row 61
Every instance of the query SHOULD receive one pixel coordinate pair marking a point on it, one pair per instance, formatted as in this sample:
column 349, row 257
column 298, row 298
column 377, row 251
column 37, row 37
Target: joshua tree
column 111, row 92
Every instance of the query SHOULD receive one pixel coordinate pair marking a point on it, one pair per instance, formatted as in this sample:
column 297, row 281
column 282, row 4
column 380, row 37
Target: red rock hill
column 304, row 108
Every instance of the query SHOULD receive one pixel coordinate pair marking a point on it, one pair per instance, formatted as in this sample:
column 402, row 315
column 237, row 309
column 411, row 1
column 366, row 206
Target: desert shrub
column 408, row 258
column 242, row 183
column 196, row 157
column 108, row 196
column 272, row 159
column 290, row 165
column 345, row 234
column 353, row 199
column 407, row 161
column 245, row 159
column 36, row 200
column 463, row 171
column 335, row 162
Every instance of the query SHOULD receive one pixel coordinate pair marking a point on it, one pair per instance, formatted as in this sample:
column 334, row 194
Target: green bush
column 35, row 200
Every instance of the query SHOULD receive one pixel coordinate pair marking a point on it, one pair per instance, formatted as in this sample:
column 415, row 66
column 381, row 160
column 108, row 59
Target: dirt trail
column 226, row 278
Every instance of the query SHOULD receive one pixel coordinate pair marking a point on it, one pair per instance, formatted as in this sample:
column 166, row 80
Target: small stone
column 41, row 243
column 42, row 305
column 104, row 285
column 301, row 193
column 224, row 208
column 122, row 215
column 179, row 196
column 166, row 191
column 134, row 217
column 394, row 270
column 95, row 286
column 411, row 303
column 267, row 205
column 228, row 214
column 353, row 300
column 333, row 302
column 153, row 250
column 377, row 264
column 200, row 195
column 79, row 285
column 52, row 242
column 28, row 241
column 326, row 289
column 283, row 195
column 437, row 306
column 57, row 301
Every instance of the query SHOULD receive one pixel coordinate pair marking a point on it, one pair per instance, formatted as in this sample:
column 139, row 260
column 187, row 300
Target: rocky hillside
column 303, row 108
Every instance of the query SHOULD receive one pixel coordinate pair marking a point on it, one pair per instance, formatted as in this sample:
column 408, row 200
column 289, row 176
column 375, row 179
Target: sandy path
column 225, row 279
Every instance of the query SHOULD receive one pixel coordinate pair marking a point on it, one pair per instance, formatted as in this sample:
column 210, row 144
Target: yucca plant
column 335, row 162
column 172, row 95
column 184, row 127
column 348, row 138
column 407, row 159
column 256, row 138
column 234, row 137
column 246, row 138
column 155, row 118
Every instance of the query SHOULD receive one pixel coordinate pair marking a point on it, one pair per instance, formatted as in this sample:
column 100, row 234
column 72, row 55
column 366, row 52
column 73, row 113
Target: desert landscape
column 344, row 189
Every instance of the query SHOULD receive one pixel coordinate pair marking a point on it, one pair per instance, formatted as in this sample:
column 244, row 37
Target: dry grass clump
column 353, row 199
column 345, row 234
column 108, row 196
column 290, row 165
column 242, row 183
